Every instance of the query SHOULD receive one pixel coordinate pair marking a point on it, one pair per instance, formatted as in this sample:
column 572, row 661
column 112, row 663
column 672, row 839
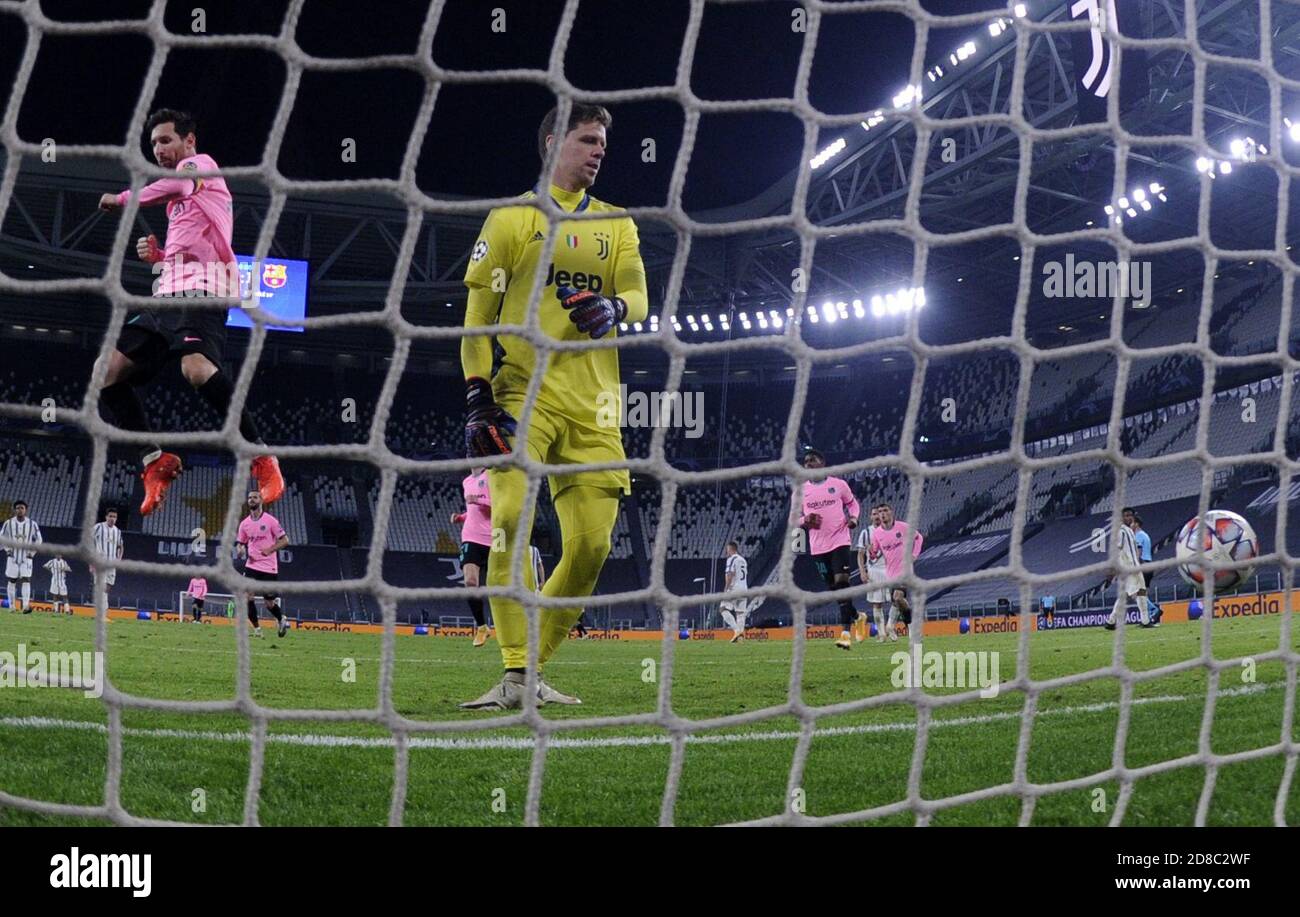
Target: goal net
column 923, row 119
column 215, row 605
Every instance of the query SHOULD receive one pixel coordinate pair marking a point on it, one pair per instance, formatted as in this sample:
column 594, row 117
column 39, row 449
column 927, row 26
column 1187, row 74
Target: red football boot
column 158, row 476
column 270, row 483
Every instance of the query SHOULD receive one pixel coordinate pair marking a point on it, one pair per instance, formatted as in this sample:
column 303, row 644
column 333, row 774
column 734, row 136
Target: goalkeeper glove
column 487, row 424
column 594, row 314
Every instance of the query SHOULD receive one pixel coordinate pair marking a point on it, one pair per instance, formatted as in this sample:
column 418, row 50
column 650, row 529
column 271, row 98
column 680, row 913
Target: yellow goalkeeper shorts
column 558, row 439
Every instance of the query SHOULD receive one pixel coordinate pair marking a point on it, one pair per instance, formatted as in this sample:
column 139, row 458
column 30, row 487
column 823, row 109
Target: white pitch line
column 522, row 744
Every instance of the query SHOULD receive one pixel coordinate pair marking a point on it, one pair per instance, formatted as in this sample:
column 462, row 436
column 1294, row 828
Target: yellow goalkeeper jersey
column 603, row 256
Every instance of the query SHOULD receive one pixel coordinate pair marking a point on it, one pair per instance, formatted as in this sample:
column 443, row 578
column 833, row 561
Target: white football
column 1226, row 538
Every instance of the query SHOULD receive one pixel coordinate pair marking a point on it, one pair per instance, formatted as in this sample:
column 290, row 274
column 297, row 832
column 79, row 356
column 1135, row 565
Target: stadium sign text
column 1240, row 608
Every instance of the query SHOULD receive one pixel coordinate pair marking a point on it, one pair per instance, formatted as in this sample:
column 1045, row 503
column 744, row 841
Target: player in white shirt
column 1131, row 583
column 734, row 610
column 18, row 565
column 108, row 543
column 871, row 565
column 58, row 568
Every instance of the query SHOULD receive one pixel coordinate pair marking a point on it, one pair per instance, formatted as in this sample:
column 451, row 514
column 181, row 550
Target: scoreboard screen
column 278, row 286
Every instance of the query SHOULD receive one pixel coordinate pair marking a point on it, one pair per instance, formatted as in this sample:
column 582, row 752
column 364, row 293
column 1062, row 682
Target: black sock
column 476, row 609
column 127, row 410
column 218, row 391
column 848, row 614
column 252, row 612
column 516, row 671
column 274, row 608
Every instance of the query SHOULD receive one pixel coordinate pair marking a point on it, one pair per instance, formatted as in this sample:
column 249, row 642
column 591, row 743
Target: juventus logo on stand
column 1094, row 54
column 1099, row 75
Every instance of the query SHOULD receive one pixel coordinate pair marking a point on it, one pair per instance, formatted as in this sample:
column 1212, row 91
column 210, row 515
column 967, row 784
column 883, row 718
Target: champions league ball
column 1227, row 539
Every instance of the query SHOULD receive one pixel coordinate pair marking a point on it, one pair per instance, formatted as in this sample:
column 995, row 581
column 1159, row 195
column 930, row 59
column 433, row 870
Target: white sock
column 877, row 612
column 13, row 592
column 893, row 617
column 1117, row 612
column 1144, row 609
column 27, row 596
column 730, row 620
column 740, row 622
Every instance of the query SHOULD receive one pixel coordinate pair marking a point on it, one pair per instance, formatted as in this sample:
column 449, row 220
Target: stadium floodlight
column 1203, row 164
column 829, row 153
column 996, row 28
column 622, row 326
column 762, row 321
column 920, row 297
column 1139, row 195
column 907, row 95
column 636, row 326
column 1110, row 211
column 1146, row 205
column 744, row 317
column 1225, row 167
column 812, row 316
column 1123, row 203
column 877, row 306
column 858, row 311
column 777, row 320
column 953, row 59
column 1238, row 147
column 789, row 312
column 872, row 120
column 1021, row 11
column 1293, row 129
column 828, row 310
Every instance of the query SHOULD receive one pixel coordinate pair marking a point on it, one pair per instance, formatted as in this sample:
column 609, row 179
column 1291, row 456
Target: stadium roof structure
column 52, row 229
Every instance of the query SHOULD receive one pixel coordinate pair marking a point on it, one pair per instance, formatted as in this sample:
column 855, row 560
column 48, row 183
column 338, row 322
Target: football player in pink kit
column 197, row 261
column 891, row 537
column 198, row 591
column 475, row 542
column 260, row 537
column 830, row 511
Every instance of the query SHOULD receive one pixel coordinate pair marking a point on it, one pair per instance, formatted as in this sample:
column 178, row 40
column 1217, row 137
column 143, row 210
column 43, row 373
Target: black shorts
column 152, row 339
column 264, row 577
column 834, row 562
column 471, row 552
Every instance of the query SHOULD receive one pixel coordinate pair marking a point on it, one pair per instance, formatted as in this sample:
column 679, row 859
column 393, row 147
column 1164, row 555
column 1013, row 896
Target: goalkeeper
column 595, row 282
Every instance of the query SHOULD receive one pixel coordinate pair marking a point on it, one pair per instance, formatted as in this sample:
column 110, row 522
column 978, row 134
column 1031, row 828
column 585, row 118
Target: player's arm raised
column 158, row 192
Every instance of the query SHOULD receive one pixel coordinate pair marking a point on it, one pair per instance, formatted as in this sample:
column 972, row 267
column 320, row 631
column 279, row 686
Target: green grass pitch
column 55, row 747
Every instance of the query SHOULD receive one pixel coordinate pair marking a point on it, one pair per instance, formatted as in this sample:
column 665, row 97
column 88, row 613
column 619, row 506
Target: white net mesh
column 678, row 729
